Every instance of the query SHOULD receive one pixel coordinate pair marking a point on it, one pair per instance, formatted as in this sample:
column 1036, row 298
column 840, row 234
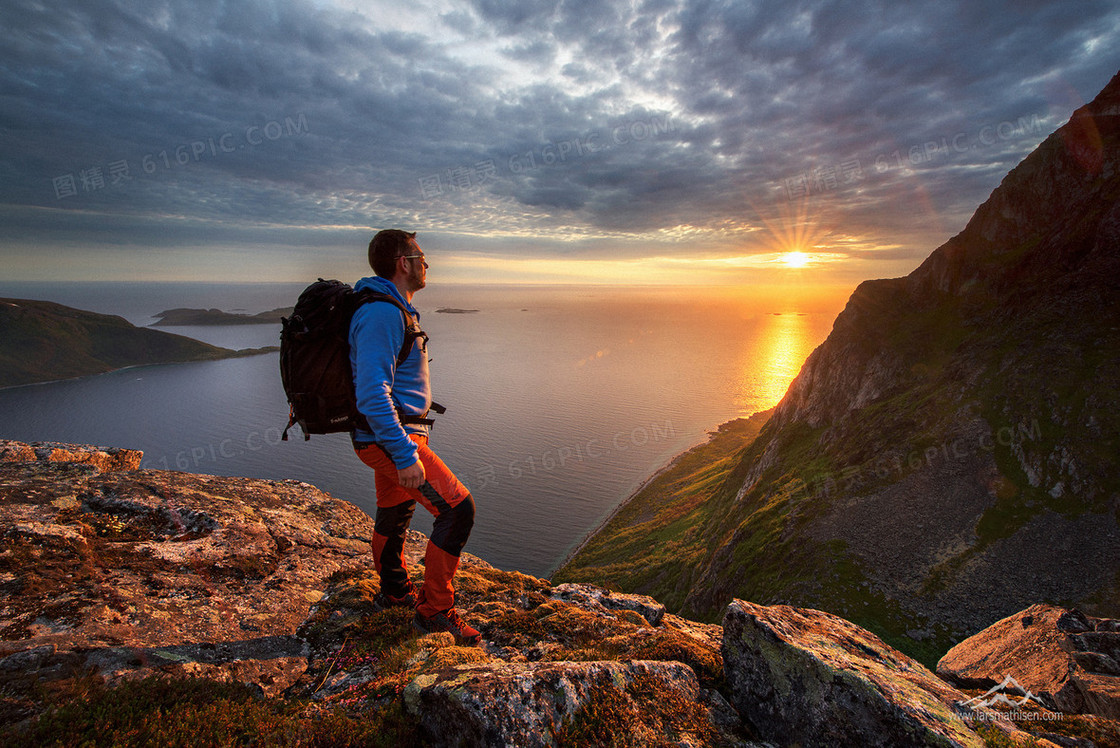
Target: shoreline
column 666, row 467
column 233, row 353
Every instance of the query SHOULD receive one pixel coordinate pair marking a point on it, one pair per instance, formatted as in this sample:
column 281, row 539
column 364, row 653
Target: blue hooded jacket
column 383, row 388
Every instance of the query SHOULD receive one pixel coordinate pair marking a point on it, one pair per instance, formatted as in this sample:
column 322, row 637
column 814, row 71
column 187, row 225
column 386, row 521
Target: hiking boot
column 384, row 601
column 447, row 620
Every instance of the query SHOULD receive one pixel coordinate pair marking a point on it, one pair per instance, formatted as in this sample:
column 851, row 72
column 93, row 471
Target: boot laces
column 456, row 621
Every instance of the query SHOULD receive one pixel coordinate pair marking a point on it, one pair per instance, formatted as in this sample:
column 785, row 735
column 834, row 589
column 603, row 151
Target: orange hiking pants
column 450, row 503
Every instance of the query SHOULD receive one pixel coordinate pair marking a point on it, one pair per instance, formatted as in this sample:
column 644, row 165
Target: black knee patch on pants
column 453, row 526
column 392, row 522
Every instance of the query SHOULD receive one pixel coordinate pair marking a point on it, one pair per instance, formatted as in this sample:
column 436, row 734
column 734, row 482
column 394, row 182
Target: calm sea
column 562, row 400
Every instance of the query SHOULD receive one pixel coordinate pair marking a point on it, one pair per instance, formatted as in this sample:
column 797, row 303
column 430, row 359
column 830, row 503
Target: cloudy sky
column 687, row 141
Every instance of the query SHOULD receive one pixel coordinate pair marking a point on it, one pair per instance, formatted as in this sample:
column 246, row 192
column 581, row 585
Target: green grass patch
column 193, row 712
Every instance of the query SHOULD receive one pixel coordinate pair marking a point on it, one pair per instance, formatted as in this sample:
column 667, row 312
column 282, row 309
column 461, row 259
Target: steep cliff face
column 1048, row 236
column 947, row 454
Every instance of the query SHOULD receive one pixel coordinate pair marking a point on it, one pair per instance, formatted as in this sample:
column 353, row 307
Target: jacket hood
column 384, row 285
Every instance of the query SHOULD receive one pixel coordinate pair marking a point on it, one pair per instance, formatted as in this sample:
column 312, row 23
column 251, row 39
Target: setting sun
column 796, row 259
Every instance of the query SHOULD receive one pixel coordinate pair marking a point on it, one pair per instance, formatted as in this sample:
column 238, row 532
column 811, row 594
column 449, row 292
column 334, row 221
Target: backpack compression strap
column 412, row 332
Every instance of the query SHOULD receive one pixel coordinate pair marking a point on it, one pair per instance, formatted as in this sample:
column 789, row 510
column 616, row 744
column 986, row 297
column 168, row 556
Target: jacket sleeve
column 376, row 335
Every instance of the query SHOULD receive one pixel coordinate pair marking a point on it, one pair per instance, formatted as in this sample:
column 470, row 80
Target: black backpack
column 315, row 358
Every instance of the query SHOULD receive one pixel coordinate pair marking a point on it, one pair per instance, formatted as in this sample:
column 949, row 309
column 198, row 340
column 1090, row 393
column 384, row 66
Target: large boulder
column 811, row 678
column 1065, row 659
column 537, row 704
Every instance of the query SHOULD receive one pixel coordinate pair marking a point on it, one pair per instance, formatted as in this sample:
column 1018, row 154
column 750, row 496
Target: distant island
column 41, row 341
column 183, row 317
column 192, row 317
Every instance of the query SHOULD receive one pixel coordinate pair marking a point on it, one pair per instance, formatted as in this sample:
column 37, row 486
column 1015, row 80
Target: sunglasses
column 415, row 257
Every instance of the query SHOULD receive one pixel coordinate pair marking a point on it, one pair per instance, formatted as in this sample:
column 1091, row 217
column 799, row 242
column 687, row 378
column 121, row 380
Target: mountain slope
column 947, row 454
column 43, row 341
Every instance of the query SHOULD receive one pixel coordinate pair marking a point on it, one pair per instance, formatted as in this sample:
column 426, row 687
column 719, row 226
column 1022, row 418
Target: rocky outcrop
column 556, row 666
column 131, row 572
column 1063, row 658
column 127, row 573
column 117, row 574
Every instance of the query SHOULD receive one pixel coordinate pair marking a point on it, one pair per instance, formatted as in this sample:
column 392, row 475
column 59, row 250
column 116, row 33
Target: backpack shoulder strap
column 412, row 329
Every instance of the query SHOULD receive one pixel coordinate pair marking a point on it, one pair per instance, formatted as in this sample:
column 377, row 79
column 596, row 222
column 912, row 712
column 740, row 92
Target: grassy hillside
column 41, row 341
column 655, row 542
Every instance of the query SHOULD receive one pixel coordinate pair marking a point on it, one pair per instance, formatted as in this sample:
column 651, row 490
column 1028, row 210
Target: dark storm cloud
column 204, row 120
column 772, row 92
column 240, row 117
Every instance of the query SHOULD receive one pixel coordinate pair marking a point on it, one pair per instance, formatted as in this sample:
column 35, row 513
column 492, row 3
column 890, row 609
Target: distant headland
column 42, row 341
column 184, row 317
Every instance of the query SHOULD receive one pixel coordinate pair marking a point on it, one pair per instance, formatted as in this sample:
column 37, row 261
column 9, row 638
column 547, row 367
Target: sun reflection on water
column 785, row 341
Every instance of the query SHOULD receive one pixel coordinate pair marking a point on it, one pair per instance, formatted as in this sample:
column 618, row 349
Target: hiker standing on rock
column 394, row 394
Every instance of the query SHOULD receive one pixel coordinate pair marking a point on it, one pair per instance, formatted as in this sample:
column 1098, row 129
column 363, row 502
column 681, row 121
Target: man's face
column 417, row 266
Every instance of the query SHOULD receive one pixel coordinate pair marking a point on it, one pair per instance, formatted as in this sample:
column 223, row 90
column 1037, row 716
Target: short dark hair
column 384, row 249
